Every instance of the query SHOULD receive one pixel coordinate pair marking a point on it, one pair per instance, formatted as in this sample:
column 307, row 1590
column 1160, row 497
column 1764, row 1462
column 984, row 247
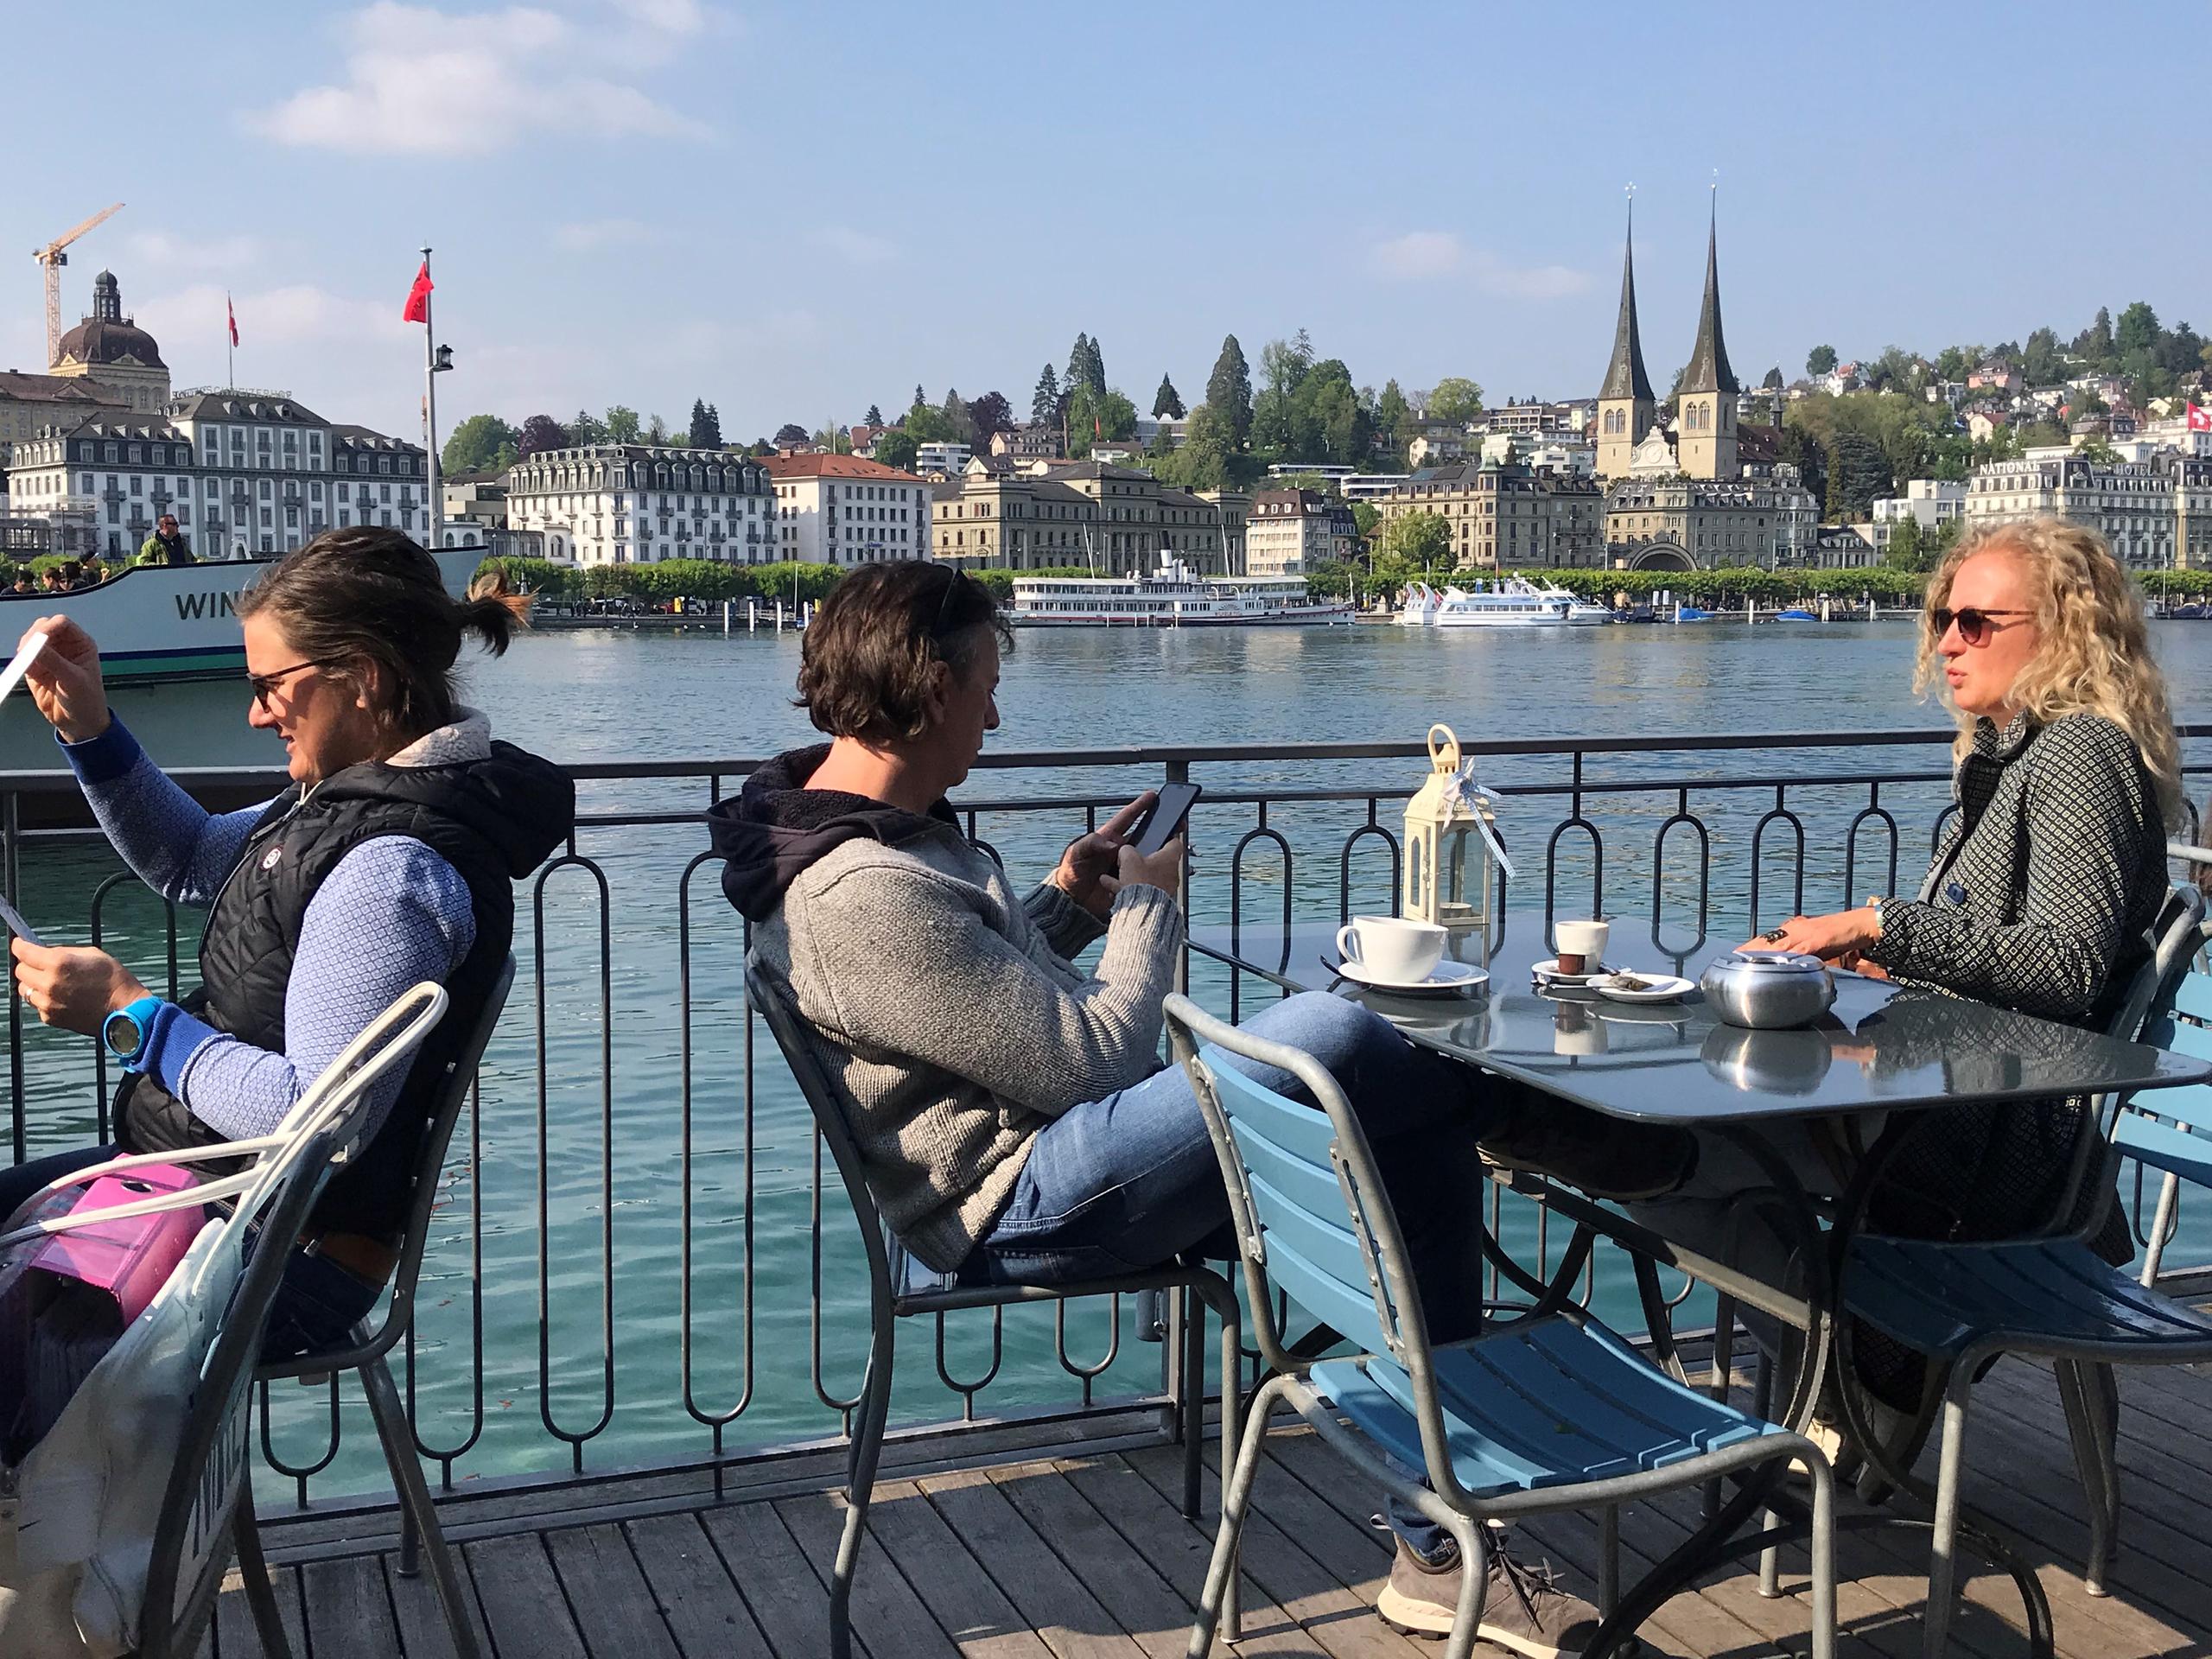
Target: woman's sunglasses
column 1974, row 626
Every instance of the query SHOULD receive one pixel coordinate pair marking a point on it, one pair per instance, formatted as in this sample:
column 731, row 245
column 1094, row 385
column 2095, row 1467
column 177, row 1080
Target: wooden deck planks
column 1088, row 1557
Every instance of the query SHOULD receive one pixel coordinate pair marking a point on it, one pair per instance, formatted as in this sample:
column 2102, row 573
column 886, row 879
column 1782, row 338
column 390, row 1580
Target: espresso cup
column 1581, row 945
column 1397, row 948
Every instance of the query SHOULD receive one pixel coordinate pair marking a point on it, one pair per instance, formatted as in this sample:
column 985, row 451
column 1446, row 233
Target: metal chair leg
column 1942, row 1561
column 1235, row 1498
column 2161, row 1228
column 253, row 1568
column 1231, row 1357
column 416, row 1503
column 1193, row 1381
column 1609, row 1560
column 868, row 1446
column 1823, row 1563
column 1724, row 1366
column 1474, row 1588
column 1761, row 1403
column 2083, row 1393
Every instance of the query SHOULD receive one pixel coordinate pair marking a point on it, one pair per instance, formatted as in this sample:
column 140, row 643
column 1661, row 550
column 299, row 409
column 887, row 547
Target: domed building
column 112, row 351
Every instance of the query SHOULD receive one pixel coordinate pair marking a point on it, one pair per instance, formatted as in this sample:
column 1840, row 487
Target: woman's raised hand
column 65, row 679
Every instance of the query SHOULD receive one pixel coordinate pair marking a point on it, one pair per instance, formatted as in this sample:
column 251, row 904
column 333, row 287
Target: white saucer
column 1547, row 973
column 1660, row 988
column 1449, row 979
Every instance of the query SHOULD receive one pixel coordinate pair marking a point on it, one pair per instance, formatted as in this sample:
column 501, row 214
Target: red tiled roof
column 832, row 467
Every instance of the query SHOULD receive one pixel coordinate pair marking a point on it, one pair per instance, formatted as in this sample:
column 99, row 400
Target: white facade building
column 245, row 474
column 1933, row 502
column 949, row 458
column 2155, row 514
column 846, row 509
column 638, row 504
column 1287, row 533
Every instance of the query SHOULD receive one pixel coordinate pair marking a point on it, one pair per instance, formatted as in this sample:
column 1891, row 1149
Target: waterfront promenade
column 1025, row 1543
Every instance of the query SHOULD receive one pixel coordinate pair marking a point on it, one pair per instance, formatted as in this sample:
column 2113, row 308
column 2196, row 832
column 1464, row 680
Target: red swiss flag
column 2200, row 420
column 418, row 297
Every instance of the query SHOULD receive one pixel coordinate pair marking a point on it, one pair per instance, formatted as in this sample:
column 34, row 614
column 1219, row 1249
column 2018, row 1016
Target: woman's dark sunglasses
column 1974, row 626
column 265, row 686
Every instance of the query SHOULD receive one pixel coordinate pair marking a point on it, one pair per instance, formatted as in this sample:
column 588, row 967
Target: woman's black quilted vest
column 492, row 819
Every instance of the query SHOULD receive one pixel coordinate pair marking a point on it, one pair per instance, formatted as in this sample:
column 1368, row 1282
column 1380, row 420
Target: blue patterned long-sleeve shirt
column 391, row 913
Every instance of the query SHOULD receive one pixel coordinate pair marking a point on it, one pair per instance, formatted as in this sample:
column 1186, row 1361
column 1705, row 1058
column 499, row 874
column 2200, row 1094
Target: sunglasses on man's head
column 1974, row 623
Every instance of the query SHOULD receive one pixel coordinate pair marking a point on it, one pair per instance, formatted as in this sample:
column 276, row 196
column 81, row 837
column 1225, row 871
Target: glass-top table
column 1882, row 1047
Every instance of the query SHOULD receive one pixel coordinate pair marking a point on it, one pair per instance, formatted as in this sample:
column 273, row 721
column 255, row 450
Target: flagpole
column 231, row 340
column 436, row 503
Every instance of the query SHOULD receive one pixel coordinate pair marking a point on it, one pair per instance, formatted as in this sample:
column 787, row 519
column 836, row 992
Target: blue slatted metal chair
column 1551, row 1412
column 900, row 1286
column 1964, row 1305
column 2171, row 1131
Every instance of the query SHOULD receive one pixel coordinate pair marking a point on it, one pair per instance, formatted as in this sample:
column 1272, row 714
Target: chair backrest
column 1311, row 1218
column 213, row 1454
column 430, row 1165
column 789, row 1030
column 2182, row 1024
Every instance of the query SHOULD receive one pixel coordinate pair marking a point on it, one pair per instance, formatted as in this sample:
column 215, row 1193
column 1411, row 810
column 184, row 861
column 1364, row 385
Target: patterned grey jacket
column 2046, row 879
column 2045, row 884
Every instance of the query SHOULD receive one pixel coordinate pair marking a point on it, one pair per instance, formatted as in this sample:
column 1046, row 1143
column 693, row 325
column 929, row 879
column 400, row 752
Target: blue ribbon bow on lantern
column 1479, row 801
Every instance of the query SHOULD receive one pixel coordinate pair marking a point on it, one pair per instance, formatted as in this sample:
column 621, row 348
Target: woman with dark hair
column 388, row 861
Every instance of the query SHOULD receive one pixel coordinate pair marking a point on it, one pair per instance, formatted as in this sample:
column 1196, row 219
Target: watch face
column 122, row 1033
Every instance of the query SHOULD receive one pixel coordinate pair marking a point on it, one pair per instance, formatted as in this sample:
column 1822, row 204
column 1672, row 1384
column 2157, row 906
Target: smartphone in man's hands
column 1169, row 814
column 16, row 925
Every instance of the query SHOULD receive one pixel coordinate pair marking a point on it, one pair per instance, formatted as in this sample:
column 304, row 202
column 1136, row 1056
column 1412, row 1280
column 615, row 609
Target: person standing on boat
column 390, row 861
column 166, row 545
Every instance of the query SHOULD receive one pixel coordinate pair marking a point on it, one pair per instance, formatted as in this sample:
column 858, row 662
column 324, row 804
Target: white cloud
column 853, row 246
column 1432, row 256
column 422, row 82
column 584, row 235
column 166, row 250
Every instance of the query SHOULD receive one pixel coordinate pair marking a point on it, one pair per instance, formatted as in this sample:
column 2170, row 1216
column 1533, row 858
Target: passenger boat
column 1171, row 597
column 158, row 624
column 1508, row 602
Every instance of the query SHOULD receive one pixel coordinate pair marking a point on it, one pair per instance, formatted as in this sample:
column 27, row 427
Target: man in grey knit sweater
column 1012, row 1112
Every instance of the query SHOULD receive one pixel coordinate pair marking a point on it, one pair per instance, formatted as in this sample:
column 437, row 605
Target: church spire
column 1708, row 369
column 1624, row 375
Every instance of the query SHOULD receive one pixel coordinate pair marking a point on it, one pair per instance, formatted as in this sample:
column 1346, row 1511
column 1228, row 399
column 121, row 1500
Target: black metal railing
column 636, row 1232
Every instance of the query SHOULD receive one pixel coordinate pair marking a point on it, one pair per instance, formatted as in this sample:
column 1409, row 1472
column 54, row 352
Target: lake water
column 595, row 1170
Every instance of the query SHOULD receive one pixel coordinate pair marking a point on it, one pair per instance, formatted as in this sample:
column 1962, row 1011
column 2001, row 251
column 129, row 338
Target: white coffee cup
column 1581, row 945
column 1397, row 948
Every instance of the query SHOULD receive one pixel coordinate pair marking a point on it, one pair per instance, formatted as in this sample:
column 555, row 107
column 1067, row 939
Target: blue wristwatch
column 125, row 1031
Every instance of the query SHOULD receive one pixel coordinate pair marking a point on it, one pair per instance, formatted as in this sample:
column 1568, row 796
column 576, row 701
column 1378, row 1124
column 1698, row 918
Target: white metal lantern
column 1452, row 851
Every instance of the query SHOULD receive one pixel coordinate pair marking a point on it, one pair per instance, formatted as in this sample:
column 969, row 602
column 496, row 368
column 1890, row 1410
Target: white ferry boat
column 1171, row 597
column 1509, row 603
column 158, row 624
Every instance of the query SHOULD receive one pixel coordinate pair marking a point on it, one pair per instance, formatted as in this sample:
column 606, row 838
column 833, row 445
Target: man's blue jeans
column 1122, row 1183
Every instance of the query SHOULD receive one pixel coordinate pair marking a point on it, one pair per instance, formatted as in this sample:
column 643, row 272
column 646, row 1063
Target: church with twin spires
column 1699, row 490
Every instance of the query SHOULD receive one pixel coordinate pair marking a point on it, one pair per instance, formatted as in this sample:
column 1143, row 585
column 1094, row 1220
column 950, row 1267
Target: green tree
column 927, row 425
column 1419, row 541
column 837, row 439
column 1391, row 415
column 896, row 447
column 955, row 414
column 1284, row 363
column 540, row 434
column 475, row 443
column 1858, row 472
column 1946, row 537
column 1456, row 400
column 1096, row 379
column 1229, row 389
column 657, row 429
column 621, row 424
column 1044, row 402
column 1819, row 360
column 2096, row 342
column 1954, row 363
column 1207, row 458
column 1773, row 381
column 2137, row 329
column 1905, row 552
column 706, row 425
column 1364, row 516
column 2039, row 359
column 1077, row 373
column 1166, row 403
column 873, row 417
column 791, row 435
column 1099, row 416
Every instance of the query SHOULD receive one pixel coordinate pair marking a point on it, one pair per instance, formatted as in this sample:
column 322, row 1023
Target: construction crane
column 52, row 256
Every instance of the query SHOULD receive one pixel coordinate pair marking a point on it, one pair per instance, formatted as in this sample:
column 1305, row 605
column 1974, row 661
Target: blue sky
column 795, row 211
